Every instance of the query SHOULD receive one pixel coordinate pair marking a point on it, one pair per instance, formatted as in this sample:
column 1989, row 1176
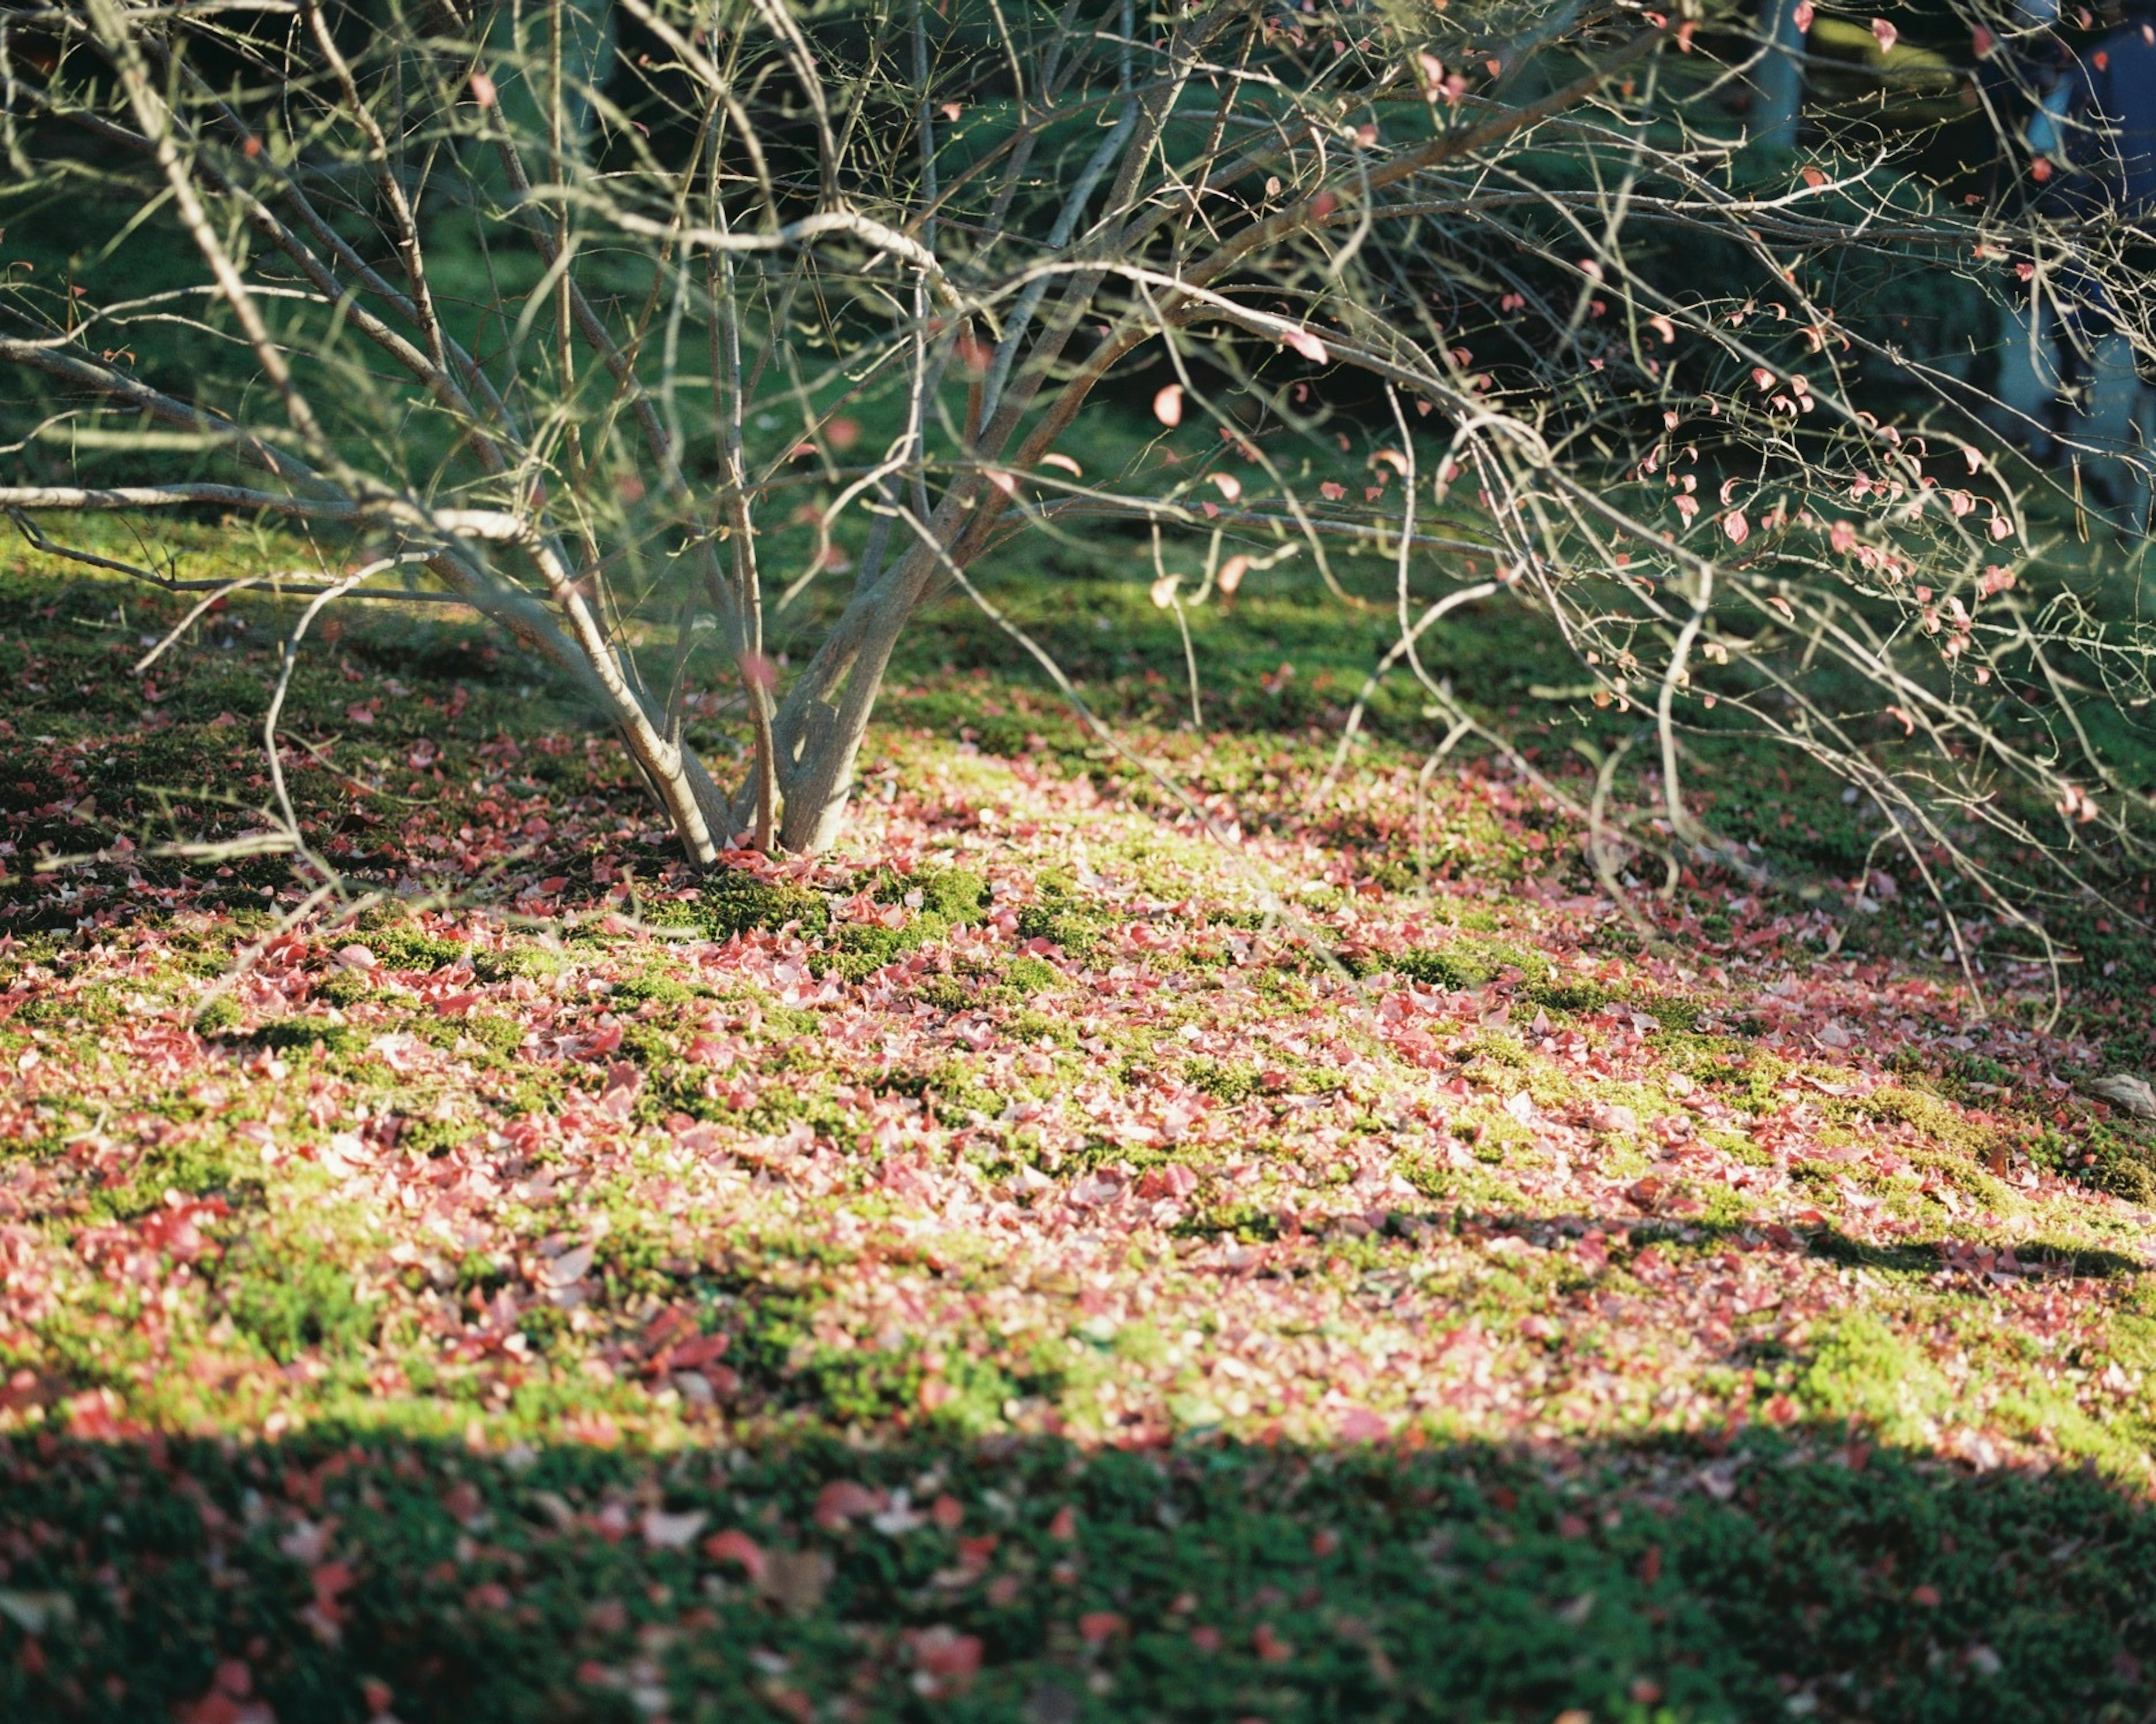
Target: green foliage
column 289, row 1291
column 734, row 901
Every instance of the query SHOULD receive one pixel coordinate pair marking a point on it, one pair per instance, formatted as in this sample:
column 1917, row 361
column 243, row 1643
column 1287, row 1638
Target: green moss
column 98, row 1004
column 735, row 901
column 298, row 1035
column 220, row 1015
column 655, row 985
column 1226, row 1083
column 287, row 1289
column 1030, row 975
column 499, row 1035
column 959, row 895
column 1572, row 995
column 1859, row 1369
column 1074, row 930
column 345, row 987
column 1250, row 1223
column 403, row 946
column 536, row 963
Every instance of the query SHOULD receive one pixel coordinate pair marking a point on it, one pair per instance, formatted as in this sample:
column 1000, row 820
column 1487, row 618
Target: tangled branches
column 579, row 308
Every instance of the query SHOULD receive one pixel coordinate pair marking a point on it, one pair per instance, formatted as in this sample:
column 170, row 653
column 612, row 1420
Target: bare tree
column 560, row 305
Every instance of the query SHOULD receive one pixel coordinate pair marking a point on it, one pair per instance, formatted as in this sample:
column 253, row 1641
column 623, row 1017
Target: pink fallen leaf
column 842, row 1500
column 735, row 1545
column 1885, row 34
column 663, row 1532
column 1168, row 405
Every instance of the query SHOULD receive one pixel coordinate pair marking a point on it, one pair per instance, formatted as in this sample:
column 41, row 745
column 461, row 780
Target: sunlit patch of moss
column 288, row 1286
column 1860, row 1368
column 534, row 962
column 401, row 944
column 302, row 1035
column 499, row 1035
column 345, row 988
column 219, row 1016
column 1250, row 1224
column 735, row 901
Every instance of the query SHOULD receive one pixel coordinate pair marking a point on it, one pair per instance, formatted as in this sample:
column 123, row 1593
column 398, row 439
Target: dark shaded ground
column 330, row 1576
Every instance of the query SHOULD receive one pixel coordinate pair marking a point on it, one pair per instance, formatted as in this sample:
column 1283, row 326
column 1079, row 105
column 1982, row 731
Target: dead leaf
column 2125, row 1090
column 794, row 1580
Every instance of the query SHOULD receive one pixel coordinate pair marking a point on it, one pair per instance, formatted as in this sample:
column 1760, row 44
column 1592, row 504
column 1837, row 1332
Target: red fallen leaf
column 1927, row 1597
column 1323, row 1542
column 1651, row 1566
column 949, row 1659
column 1097, row 1626
column 488, row 1595
column 1205, row 1639
column 1269, row 1646
column 330, row 1578
column 462, row 1500
column 376, row 1694
column 1571, row 1527
column 1173, row 1180
column 792, row 1702
column 842, row 1500
column 947, row 1512
column 1646, row 1193
column 1066, row 1523
column 735, row 1545
column 1359, row 1424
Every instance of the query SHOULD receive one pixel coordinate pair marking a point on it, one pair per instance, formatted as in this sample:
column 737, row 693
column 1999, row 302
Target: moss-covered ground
column 1034, row 1263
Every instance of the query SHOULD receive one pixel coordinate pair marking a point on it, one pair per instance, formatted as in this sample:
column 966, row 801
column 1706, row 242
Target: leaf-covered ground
column 1030, row 1264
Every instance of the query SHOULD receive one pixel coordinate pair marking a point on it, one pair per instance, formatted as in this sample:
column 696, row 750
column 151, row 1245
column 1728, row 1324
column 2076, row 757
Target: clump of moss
column 665, row 990
column 1452, row 966
column 344, row 988
column 290, row 1296
column 1575, row 994
column 1248, row 1222
column 1223, row 1083
column 219, row 1016
column 534, row 962
column 1861, row 1369
column 298, row 1035
column 735, row 901
column 960, row 896
column 403, row 946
